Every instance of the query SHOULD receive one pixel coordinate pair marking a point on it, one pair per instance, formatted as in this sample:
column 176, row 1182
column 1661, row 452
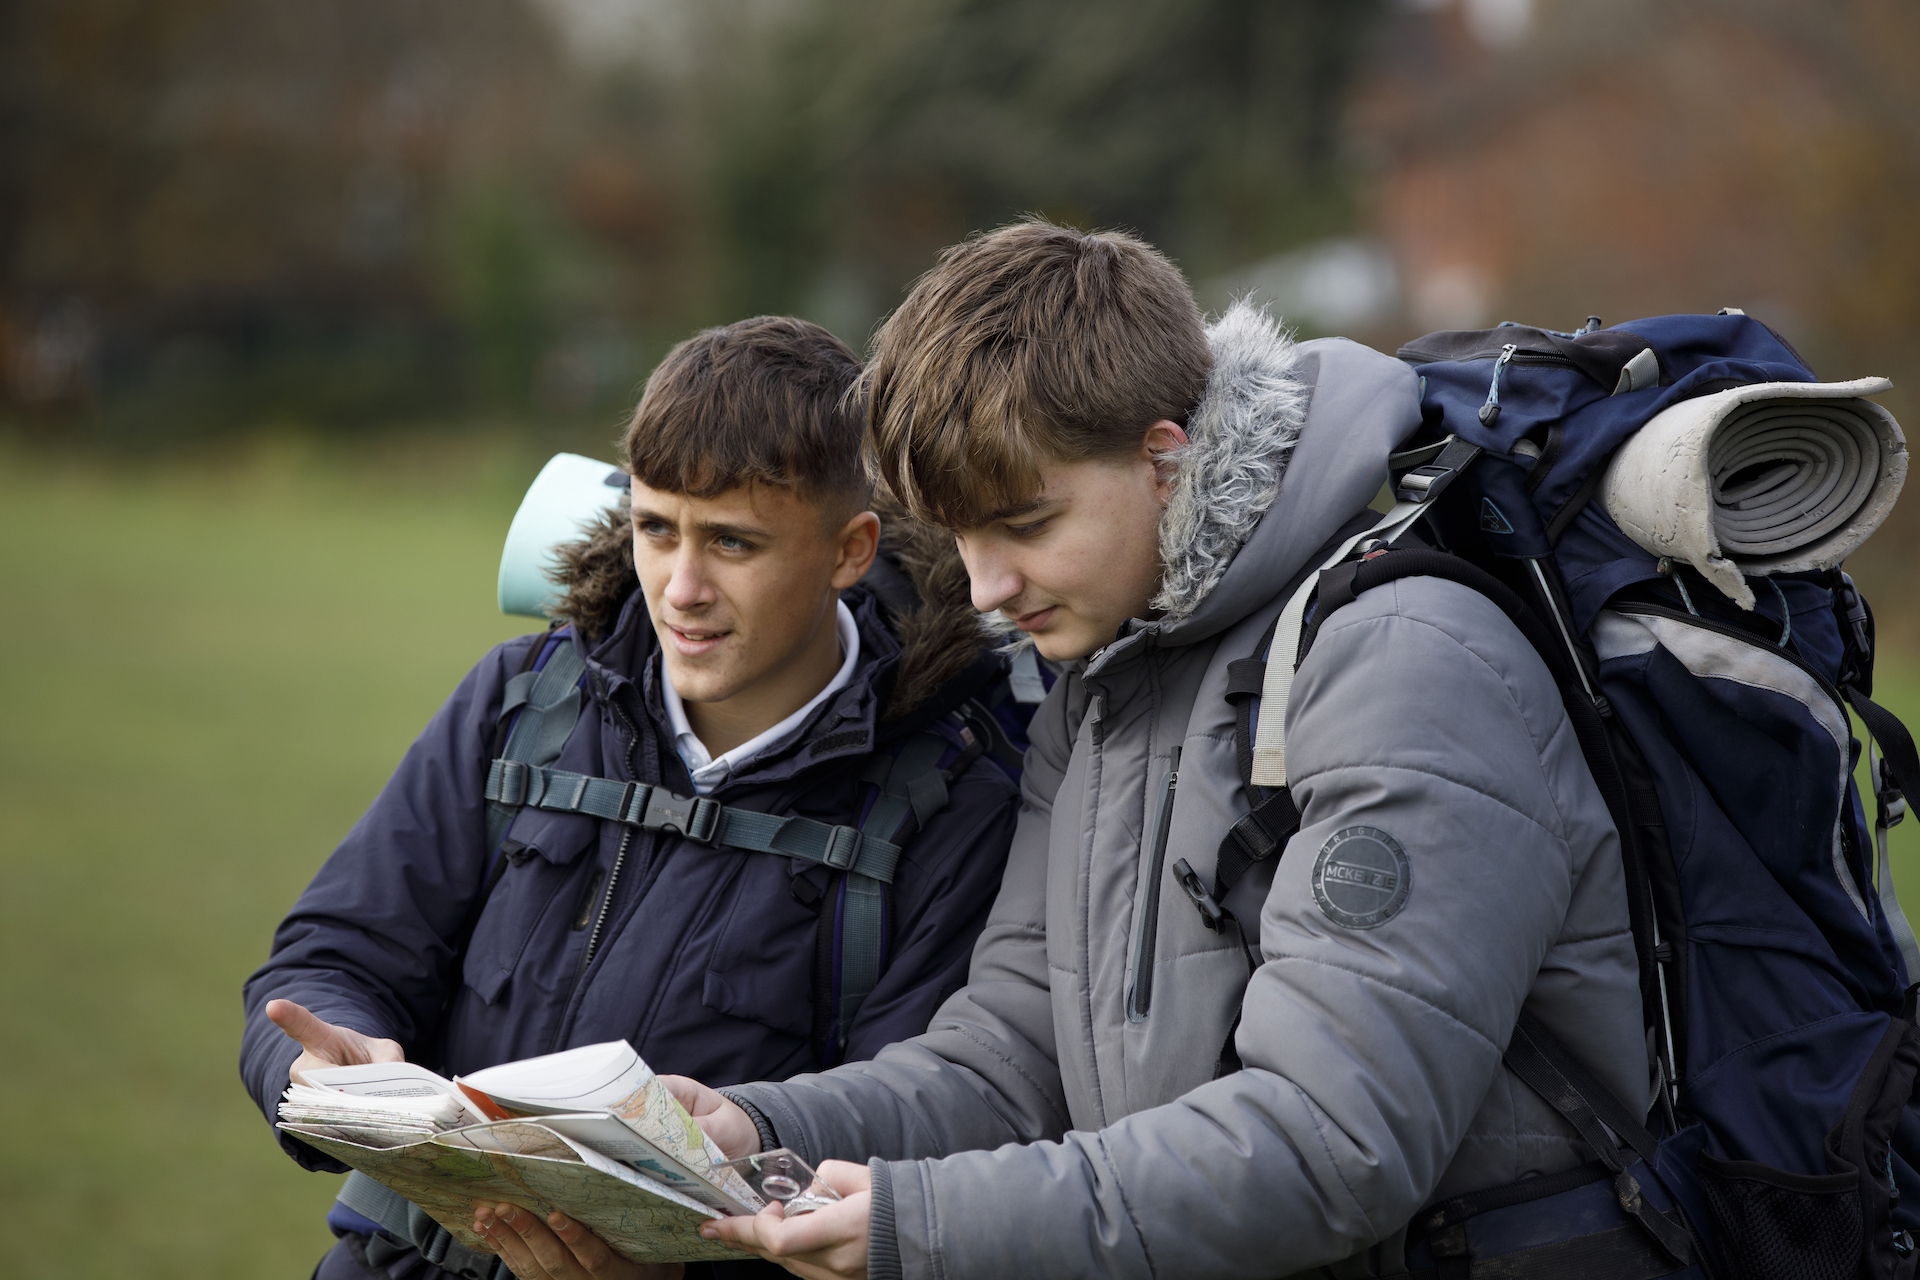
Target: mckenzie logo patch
column 1361, row 878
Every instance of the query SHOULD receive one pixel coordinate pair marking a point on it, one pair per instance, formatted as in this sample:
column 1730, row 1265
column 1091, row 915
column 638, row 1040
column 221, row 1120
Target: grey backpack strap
column 402, row 1219
column 912, row 784
column 549, row 702
column 697, row 818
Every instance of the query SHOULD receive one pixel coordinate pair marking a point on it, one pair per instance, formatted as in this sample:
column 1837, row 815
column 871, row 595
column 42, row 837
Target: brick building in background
column 1543, row 162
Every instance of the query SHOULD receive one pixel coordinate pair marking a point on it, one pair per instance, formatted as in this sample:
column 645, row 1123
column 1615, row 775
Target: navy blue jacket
column 705, row 962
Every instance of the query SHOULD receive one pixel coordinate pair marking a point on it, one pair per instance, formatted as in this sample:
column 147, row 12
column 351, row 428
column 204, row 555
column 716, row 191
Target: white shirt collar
column 708, row 772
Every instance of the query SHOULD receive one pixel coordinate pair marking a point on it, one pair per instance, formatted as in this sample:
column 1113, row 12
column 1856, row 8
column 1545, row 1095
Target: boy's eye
column 1028, row 530
column 653, row 528
column 727, row 542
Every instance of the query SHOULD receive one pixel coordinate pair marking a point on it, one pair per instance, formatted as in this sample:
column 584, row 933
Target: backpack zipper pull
column 1490, row 411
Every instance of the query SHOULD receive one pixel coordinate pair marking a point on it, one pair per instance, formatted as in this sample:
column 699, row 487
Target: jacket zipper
column 613, row 880
column 1146, row 926
column 1493, row 353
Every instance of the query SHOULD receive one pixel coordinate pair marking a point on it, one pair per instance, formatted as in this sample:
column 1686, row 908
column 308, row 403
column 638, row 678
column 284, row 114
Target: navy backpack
column 1711, row 707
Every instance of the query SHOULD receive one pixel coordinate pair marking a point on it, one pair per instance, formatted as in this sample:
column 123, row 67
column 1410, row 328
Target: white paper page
column 591, row 1078
column 395, row 1081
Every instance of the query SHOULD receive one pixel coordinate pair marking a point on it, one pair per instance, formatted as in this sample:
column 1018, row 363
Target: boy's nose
column 992, row 580
column 689, row 587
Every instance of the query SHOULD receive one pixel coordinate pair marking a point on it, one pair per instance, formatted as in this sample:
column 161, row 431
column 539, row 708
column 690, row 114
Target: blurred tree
column 240, row 198
column 218, row 211
column 882, row 130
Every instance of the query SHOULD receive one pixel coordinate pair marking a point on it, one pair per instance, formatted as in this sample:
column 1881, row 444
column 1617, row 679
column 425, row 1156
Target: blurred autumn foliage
column 221, row 213
column 1632, row 157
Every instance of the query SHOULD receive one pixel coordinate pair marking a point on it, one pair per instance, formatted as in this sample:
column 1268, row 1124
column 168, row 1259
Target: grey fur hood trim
column 1239, row 438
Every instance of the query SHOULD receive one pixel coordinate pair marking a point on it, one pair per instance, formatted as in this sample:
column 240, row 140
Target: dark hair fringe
column 771, row 400
column 1030, row 342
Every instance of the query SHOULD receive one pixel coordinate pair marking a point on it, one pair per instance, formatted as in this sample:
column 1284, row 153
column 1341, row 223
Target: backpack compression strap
column 1895, row 775
column 1551, row 1070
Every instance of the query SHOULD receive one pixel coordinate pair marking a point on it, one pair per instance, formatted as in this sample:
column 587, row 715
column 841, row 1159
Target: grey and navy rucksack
column 1661, row 508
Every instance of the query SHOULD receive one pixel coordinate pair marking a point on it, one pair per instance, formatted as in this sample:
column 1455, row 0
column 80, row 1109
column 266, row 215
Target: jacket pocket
column 1775, row 1225
column 1146, row 912
column 760, row 949
column 535, row 897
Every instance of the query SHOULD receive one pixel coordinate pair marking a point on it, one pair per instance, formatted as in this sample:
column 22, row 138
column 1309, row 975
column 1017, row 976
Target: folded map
column 591, row 1132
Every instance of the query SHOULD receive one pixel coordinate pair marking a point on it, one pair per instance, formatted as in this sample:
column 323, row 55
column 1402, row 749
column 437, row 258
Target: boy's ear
column 855, row 545
column 1164, row 439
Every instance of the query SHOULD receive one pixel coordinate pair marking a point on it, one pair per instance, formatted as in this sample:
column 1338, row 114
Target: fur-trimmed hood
column 918, row 579
column 1289, row 441
column 1239, row 438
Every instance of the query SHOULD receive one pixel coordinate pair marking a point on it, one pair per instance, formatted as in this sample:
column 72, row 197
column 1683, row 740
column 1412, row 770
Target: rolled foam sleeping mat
column 565, row 499
column 1776, row 477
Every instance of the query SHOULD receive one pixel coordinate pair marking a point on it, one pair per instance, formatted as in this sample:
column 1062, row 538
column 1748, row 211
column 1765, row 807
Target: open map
column 537, row 1169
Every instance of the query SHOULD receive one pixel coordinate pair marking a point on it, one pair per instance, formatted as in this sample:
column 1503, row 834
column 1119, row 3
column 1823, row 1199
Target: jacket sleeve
column 985, row 1070
column 942, row 892
column 370, row 944
column 1368, row 1047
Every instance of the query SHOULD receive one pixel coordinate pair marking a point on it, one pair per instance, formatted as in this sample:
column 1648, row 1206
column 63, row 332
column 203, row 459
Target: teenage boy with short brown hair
column 731, row 651
column 1112, row 1094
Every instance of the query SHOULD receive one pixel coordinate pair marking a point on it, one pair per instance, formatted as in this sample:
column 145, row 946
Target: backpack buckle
column 691, row 816
column 1893, row 802
column 843, row 847
column 1211, row 912
column 1426, row 482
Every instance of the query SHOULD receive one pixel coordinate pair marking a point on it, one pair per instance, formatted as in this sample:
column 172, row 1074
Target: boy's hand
column 731, row 1128
column 326, row 1045
column 559, row 1248
column 827, row 1244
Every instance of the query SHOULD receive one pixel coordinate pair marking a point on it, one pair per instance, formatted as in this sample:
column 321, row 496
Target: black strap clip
column 1426, row 482
column 694, row 817
column 1212, row 914
column 1892, row 801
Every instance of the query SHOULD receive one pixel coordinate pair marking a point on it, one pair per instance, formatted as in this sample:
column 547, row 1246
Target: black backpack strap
column 912, row 786
column 1604, row 1122
column 1587, row 712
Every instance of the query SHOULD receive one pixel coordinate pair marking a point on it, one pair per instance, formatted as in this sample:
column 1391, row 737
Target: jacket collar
column 845, row 724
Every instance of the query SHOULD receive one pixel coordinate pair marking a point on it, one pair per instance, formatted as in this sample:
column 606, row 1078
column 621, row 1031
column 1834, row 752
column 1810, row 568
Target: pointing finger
column 314, row 1034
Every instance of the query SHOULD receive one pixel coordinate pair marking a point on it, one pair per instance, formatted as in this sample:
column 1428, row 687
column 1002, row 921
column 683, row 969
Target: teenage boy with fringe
column 731, row 650
column 1120, row 1090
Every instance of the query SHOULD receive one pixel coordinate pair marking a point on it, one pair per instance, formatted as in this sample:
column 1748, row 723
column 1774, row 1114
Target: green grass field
column 208, row 674
column 208, row 670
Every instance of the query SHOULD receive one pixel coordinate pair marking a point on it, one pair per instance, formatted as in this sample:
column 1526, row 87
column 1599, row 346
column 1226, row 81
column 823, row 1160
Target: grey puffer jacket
column 1091, row 1140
